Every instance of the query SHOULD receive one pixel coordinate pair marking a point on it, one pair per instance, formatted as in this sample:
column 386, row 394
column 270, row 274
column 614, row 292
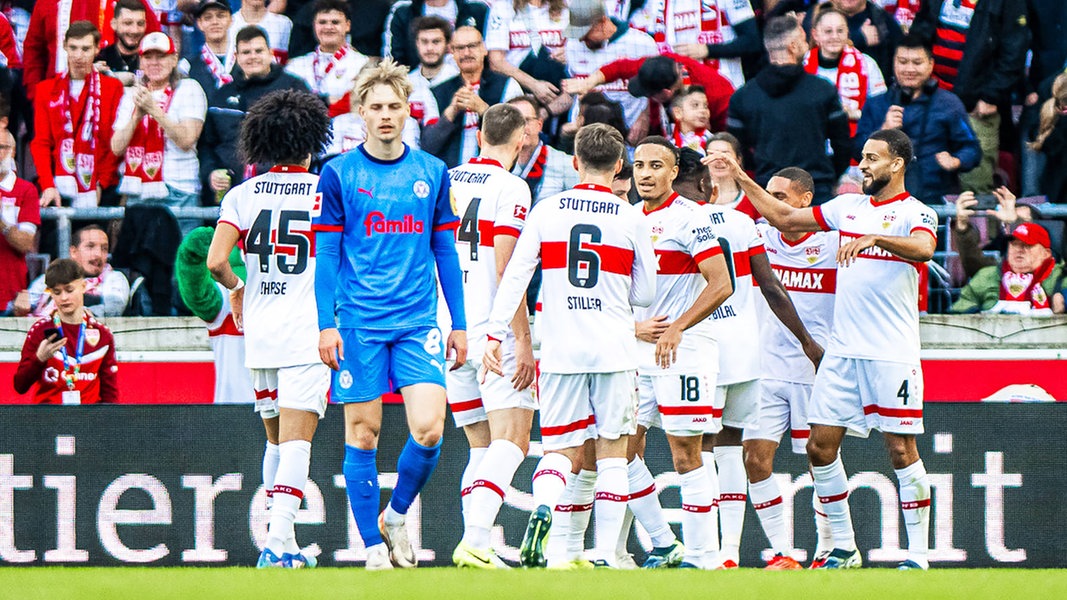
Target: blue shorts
column 374, row 358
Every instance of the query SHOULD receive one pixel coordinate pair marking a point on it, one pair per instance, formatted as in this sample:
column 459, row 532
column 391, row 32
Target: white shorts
column 470, row 400
column 783, row 405
column 583, row 406
column 301, row 387
column 740, row 404
column 681, row 405
column 862, row 395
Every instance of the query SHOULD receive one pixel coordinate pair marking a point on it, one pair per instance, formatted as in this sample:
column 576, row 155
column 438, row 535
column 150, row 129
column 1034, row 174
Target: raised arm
column 778, row 213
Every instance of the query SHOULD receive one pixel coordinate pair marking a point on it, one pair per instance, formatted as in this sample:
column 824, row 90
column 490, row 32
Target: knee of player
column 758, row 465
column 428, row 435
column 362, row 436
column 820, row 453
column 686, row 463
column 902, row 450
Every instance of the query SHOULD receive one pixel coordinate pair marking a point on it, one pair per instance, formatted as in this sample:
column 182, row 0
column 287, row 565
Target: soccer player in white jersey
column 806, row 264
column 871, row 377
column 496, row 413
column 597, row 259
column 272, row 214
column 735, row 326
column 676, row 375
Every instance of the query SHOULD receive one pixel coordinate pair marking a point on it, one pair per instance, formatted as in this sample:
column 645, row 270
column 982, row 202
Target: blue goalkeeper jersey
column 386, row 213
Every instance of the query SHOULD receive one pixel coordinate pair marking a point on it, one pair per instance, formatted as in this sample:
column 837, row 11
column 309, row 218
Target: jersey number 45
column 280, row 242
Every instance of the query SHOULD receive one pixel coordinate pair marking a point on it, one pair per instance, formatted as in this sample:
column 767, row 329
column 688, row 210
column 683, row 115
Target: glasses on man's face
column 6, row 147
column 465, row 48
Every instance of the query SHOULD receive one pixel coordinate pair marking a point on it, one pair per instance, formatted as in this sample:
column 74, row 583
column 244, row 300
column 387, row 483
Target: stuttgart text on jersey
column 282, row 188
column 590, row 206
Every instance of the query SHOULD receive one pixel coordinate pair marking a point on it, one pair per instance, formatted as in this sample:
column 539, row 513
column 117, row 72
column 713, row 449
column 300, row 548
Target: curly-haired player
column 272, row 213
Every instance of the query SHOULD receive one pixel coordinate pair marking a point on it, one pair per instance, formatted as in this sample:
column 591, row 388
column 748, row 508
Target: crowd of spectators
column 137, row 103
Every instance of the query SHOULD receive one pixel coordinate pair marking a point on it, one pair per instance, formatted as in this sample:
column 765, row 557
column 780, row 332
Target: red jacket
column 48, row 130
column 7, row 44
column 97, row 380
column 718, row 88
column 39, row 49
column 22, row 201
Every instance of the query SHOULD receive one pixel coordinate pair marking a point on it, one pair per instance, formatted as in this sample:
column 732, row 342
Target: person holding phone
column 68, row 353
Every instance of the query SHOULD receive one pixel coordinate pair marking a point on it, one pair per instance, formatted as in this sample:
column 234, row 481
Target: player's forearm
column 714, row 294
column 782, row 306
column 908, row 248
column 520, row 325
column 443, row 244
column 511, row 291
column 327, row 266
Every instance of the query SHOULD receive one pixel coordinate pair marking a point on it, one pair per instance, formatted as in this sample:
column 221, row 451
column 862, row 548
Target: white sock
column 822, row 526
column 732, row 498
column 644, row 502
column 497, row 468
column 556, row 546
column 915, row 503
column 767, row 500
column 270, row 467
column 550, row 479
column 711, row 556
column 622, row 548
column 831, row 485
column 697, row 526
column 291, row 478
column 465, row 481
column 582, row 498
column 392, row 517
column 612, row 489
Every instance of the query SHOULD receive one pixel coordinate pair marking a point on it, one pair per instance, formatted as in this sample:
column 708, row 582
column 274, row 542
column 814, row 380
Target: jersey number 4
column 468, row 228
column 282, row 242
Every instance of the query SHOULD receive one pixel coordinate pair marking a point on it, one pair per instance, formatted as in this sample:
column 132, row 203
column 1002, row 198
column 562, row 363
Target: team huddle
column 672, row 313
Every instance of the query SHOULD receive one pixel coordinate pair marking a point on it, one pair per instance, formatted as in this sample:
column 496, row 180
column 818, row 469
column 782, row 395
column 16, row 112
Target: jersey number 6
column 583, row 265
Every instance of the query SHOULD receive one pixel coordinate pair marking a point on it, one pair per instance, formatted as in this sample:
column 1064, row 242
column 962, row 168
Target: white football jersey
column 233, row 382
column 519, row 33
column 273, row 212
column 597, row 262
column 331, row 75
column 673, row 22
column 876, row 316
column 807, row 269
column 682, row 239
column 583, row 62
column 490, row 201
column 735, row 324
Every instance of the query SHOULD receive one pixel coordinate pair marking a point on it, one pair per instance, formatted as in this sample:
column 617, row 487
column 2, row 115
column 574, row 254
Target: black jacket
column 226, row 109
column 994, row 55
column 199, row 73
column 785, row 116
column 1048, row 31
column 1054, row 177
column 399, row 39
column 444, row 138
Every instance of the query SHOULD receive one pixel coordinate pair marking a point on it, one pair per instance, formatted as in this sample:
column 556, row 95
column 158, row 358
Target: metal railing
column 65, row 214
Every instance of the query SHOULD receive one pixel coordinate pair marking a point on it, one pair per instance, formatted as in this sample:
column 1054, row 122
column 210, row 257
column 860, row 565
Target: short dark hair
column 80, row 29
column 431, row 22
column 777, row 31
column 599, row 147
column 532, row 101
column 500, row 122
column 913, row 41
column 322, row 6
column 284, row 127
column 798, row 178
column 130, row 5
column 76, row 239
column 898, row 141
column 686, row 92
column 690, row 169
column 659, row 140
column 61, row 272
column 249, row 33
column 627, row 170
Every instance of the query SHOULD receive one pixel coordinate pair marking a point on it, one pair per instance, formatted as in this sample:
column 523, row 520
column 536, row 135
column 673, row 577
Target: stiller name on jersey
column 377, row 223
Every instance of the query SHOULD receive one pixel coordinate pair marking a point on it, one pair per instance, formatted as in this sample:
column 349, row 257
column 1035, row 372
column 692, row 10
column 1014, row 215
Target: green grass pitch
column 439, row 584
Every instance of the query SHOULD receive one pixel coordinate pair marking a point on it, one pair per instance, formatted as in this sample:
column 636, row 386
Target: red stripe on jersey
column 284, row 489
column 641, row 494
column 757, row 250
column 914, row 504
column 228, row 327
column 612, row 258
column 506, row 230
column 742, row 266
column 816, row 281
column 230, row 223
column 926, row 229
column 675, row 262
column 324, row 227
column 261, row 394
column 486, row 231
column 447, row 226
column 710, row 252
column 732, row 497
column 902, row 413
column 768, row 504
column 673, row 411
column 288, row 169
column 609, row 497
column 466, row 405
column 696, row 508
column 816, row 212
column 569, row 427
column 834, row 498
column 800, row 434
column 489, row 485
column 478, row 160
column 594, row 187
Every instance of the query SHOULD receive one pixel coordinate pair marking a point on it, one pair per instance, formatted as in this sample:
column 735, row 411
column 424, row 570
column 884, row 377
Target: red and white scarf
column 695, row 140
column 1024, row 290
column 214, row 65
column 852, row 80
column 143, row 176
column 712, row 21
column 904, row 12
column 331, row 64
column 76, row 175
column 534, row 172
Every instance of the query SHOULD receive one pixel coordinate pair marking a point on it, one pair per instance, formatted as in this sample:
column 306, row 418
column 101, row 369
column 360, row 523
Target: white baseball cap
column 157, row 41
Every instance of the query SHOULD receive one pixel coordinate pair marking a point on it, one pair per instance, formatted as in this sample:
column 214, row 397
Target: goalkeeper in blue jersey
column 385, row 235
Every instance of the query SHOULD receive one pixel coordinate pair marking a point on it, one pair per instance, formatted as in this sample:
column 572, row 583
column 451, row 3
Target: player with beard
column 870, row 377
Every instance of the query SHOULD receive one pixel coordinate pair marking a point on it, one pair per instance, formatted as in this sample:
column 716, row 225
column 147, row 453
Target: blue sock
column 413, row 469
column 361, row 478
